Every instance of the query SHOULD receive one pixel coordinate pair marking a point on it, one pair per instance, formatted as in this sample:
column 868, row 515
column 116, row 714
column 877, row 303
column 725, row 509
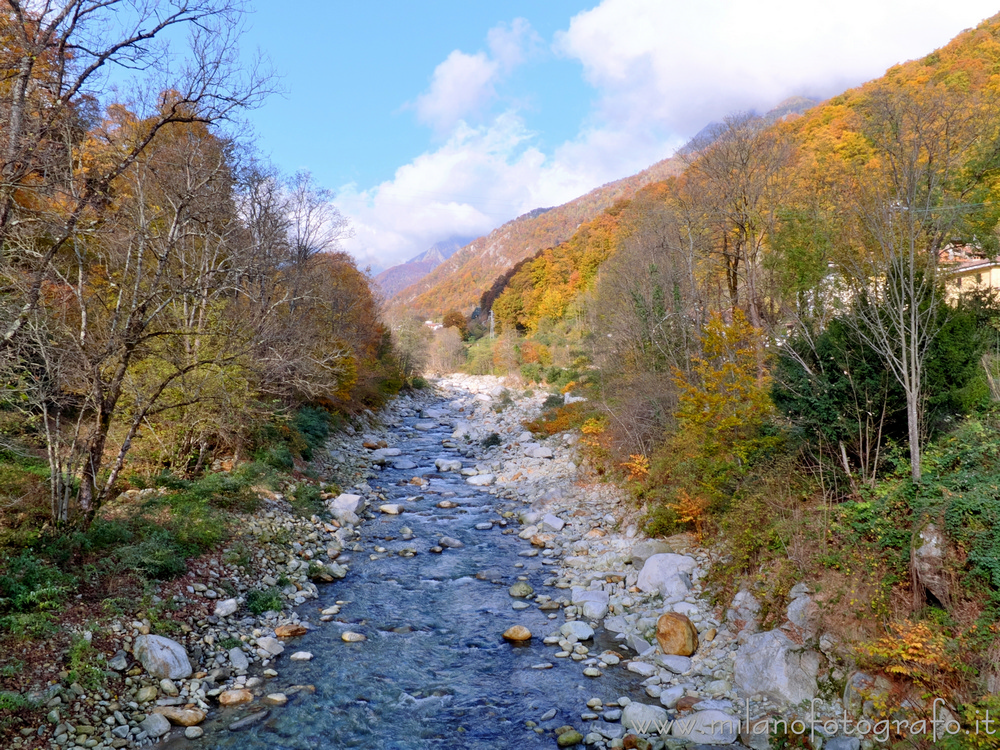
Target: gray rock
column 155, row 725
column 552, row 523
column 226, row 607
column 347, row 502
column 928, row 564
column 193, row 733
column 450, row 542
column 404, row 465
column 669, row 696
column 162, row 657
column 642, row 551
column 616, row 624
column 238, row 659
column 445, row 464
column 772, row 664
column 271, row 645
column 540, row 452
column 593, row 604
column 644, row 718
column 119, row 662
column 481, row 480
column 799, row 589
column 639, row 644
column 803, row 612
column 581, row 630
column 676, row 664
column 842, row 743
column 641, row 668
column 707, row 728
column 667, row 573
column 745, row 609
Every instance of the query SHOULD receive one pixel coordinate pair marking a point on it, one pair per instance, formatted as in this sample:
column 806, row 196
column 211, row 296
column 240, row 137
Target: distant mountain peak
column 398, row 277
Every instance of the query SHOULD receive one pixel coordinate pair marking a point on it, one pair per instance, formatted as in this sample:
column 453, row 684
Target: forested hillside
column 777, row 355
column 457, row 282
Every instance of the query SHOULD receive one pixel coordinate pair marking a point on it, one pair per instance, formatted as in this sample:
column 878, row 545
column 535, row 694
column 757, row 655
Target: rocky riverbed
column 454, row 592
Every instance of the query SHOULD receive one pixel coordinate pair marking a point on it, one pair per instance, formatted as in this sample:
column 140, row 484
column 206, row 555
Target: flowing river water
column 434, row 671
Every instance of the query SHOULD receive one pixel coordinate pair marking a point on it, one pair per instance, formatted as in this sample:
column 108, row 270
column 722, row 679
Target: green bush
column 532, row 373
column 314, row 426
column 29, row 584
column 553, row 401
column 278, row 456
column 86, row 665
column 306, row 500
column 159, row 555
column 492, row 440
column 260, row 601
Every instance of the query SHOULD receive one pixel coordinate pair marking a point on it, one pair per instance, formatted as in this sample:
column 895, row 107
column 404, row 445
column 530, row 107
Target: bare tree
column 740, row 180
column 931, row 149
column 59, row 57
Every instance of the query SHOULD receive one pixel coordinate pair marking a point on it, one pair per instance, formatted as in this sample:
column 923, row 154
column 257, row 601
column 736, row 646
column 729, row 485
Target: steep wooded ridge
column 458, row 282
column 397, row 278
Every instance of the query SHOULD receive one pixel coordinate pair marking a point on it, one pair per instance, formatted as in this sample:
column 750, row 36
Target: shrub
column 31, row 585
column 314, row 426
column 86, row 665
column 492, row 440
column 158, row 556
column 553, row 402
column 260, row 601
column 278, row 457
column 532, row 372
column 306, row 500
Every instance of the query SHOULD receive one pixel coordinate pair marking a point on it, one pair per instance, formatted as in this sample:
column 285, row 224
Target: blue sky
column 443, row 118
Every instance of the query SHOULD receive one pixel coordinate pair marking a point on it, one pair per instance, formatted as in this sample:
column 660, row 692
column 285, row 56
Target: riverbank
column 469, row 486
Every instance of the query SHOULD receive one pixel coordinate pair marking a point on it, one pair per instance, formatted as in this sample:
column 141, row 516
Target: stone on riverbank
column 772, row 664
column 155, row 725
column 235, row 697
column 710, row 727
column 290, row 630
column 676, row 634
column 162, row 657
column 517, row 633
column 351, row 637
column 183, row 717
column 667, row 573
column 580, row 630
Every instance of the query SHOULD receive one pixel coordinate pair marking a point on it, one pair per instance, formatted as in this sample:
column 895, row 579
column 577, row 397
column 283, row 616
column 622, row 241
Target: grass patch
column 260, row 601
column 86, row 665
column 307, row 500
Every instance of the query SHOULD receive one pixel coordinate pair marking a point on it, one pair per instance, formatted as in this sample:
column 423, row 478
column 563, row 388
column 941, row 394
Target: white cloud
column 674, row 66
column 510, row 45
column 661, row 69
column 462, row 85
column 479, row 178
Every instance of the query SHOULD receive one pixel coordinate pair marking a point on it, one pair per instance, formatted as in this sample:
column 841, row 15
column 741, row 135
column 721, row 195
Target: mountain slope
column 459, row 282
column 398, row 277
